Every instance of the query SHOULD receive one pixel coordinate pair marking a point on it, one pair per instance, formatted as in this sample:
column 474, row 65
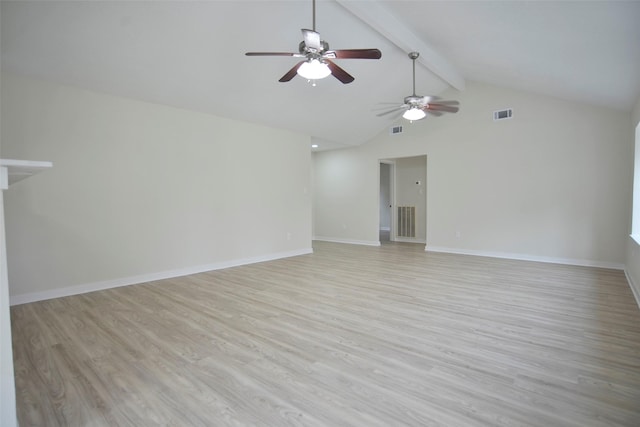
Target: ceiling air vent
column 395, row 129
column 503, row 114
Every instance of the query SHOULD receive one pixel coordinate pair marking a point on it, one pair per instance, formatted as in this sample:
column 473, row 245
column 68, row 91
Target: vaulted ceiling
column 190, row 54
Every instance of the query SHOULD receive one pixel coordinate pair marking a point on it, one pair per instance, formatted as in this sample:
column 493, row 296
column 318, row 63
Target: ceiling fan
column 318, row 62
column 415, row 107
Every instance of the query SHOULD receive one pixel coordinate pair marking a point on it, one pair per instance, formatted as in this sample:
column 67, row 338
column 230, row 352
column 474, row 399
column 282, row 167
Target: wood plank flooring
column 346, row 336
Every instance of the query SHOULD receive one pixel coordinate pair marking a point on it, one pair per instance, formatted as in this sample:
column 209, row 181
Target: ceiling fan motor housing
column 414, row 100
column 305, row 50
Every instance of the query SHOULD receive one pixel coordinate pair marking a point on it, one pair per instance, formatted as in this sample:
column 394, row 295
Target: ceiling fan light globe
column 414, row 113
column 314, row 70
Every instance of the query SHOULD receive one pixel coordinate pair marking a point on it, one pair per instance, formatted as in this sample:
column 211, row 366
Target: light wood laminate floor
column 347, row 336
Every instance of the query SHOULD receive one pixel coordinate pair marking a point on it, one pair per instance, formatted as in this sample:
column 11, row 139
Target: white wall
column 632, row 264
column 345, row 180
column 141, row 191
column 550, row 184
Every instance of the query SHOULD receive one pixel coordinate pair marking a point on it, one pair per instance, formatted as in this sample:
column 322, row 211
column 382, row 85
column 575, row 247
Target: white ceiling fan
column 416, row 107
column 317, row 63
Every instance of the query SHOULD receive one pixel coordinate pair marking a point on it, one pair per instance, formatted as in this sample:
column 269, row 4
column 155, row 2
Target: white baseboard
column 347, row 241
column 385, row 228
column 634, row 287
column 150, row 277
column 525, row 257
column 409, row 240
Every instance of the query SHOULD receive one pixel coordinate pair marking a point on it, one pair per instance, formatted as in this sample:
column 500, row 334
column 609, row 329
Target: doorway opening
column 403, row 200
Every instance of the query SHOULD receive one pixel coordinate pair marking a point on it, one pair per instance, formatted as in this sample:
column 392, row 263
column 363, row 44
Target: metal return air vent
column 507, row 113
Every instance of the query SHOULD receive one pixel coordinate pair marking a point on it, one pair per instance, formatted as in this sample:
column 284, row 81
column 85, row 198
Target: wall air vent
column 507, row 113
column 395, row 129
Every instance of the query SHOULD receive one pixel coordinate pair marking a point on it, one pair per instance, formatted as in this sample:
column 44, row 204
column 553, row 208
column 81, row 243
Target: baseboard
column 525, row 257
column 144, row 278
column 408, row 240
column 385, row 228
column 634, row 287
column 347, row 241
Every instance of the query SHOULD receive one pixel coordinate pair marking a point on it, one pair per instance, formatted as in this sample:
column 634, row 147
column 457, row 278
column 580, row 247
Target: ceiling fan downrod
column 313, row 5
column 413, row 56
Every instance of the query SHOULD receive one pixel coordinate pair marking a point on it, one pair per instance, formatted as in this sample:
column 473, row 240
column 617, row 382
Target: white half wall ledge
column 347, row 241
column 17, row 170
column 526, row 257
column 151, row 277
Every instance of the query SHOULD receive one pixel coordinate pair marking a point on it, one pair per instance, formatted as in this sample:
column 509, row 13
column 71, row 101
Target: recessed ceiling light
column 314, row 145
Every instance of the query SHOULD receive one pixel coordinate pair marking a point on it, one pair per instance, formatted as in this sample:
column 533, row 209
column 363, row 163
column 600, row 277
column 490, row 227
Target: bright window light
column 635, row 212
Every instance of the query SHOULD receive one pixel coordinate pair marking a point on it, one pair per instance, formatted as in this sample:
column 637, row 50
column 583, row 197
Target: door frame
column 392, row 197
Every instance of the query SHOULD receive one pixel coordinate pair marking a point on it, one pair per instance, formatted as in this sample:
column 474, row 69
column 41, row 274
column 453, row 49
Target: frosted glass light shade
column 414, row 113
column 314, row 70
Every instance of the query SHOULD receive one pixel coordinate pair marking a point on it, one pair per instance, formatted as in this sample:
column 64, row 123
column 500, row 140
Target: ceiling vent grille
column 395, row 130
column 507, row 113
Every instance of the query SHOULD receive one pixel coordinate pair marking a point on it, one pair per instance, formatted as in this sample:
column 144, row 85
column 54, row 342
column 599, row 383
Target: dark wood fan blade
column 339, row 73
column 358, row 54
column 404, row 107
column 441, row 107
column 430, row 98
column 270, row 54
column 291, row 73
column 442, row 102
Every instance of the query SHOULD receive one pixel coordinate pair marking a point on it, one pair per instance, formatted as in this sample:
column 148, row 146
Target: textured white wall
column 346, row 193
column 552, row 183
column 138, row 188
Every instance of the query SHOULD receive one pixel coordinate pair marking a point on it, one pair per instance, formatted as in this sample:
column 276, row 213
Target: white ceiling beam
column 374, row 14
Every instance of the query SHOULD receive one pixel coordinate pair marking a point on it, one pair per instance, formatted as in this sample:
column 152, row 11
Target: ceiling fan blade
column 291, row 73
column 404, row 107
column 271, row 54
column 386, row 107
column 312, row 39
column 358, row 54
column 441, row 107
column 443, row 102
column 339, row 73
column 433, row 112
column 430, row 98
